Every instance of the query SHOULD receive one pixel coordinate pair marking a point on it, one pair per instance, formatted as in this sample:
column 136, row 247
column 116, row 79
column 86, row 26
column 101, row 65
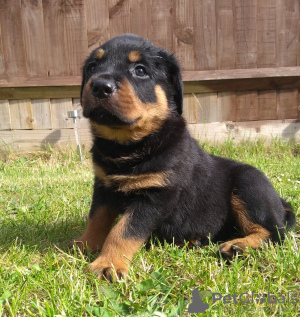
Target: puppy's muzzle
column 103, row 88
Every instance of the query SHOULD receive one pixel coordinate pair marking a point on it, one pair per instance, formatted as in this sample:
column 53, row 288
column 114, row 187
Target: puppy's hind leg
column 253, row 234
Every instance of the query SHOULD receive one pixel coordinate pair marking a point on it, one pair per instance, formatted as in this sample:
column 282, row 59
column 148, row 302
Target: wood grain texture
column 76, row 34
column 140, row 23
column 183, row 33
column 247, row 106
column 205, row 86
column 41, row 114
column 34, row 39
column 266, row 33
column 2, row 63
column 5, row 123
column 245, row 12
column 40, row 92
column 162, row 24
column 267, row 105
column 242, row 73
column 226, row 107
column 36, row 140
column 288, row 32
column 287, row 104
column 245, row 131
column 119, row 17
column 41, row 81
column 21, row 114
column 56, row 38
column 225, row 34
column 206, row 107
column 12, row 38
column 59, row 112
column 205, row 35
column 190, row 105
column 97, row 21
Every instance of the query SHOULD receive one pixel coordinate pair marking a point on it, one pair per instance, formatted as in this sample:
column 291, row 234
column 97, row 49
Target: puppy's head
column 130, row 88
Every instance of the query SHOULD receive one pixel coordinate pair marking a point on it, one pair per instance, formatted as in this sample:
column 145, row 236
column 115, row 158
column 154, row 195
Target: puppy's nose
column 103, row 88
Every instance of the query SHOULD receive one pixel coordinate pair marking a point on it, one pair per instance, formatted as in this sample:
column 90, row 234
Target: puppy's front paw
column 229, row 250
column 105, row 269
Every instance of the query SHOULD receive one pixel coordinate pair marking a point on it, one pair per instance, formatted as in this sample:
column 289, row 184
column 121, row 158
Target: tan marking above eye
column 134, row 56
column 100, row 53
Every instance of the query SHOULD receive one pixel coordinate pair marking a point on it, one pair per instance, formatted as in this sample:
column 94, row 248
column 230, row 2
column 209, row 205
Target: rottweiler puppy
column 152, row 175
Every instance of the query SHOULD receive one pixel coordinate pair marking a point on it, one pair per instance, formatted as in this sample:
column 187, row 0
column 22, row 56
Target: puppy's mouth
column 107, row 104
column 105, row 114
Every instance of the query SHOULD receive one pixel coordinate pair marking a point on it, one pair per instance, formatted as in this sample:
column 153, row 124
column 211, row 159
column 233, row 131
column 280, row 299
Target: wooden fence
column 240, row 61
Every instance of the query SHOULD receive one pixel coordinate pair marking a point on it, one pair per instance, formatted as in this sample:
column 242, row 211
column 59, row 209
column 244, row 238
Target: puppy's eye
column 92, row 68
column 140, row 71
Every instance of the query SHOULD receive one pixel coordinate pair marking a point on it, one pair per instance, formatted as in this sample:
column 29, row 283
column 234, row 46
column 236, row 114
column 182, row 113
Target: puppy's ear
column 174, row 75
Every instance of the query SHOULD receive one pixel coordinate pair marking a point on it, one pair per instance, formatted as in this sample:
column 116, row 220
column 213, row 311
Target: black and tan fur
column 153, row 175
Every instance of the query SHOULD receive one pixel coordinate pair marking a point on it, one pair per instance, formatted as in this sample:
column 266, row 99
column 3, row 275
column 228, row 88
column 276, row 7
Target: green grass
column 44, row 200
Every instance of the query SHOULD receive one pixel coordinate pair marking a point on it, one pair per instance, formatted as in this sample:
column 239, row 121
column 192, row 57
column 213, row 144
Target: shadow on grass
column 38, row 235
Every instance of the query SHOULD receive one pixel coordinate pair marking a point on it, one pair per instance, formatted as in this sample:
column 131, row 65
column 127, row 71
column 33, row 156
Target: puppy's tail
column 290, row 218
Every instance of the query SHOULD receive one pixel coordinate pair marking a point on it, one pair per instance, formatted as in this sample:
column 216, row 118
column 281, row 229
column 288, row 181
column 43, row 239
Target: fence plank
column 183, row 34
column 59, row 113
column 41, row 114
column 12, row 38
column 190, row 108
column 140, row 21
column 2, row 64
column 241, row 84
column 205, row 35
column 206, row 107
column 34, row 140
column 287, row 104
column 97, row 20
column 119, row 16
column 244, row 131
column 245, row 33
column 247, row 106
column 225, row 34
column 21, row 114
column 76, row 34
column 267, row 101
column 288, row 15
column 55, row 38
column 33, row 34
column 226, row 107
column 4, row 115
column 162, row 24
column 266, row 33
column 39, row 92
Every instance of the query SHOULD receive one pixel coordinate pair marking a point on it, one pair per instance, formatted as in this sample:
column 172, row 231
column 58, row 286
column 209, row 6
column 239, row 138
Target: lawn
column 44, row 201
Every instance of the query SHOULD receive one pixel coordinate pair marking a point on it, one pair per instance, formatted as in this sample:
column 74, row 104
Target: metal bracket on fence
column 74, row 115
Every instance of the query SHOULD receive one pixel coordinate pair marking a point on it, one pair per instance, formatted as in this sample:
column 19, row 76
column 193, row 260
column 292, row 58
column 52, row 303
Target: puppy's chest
column 129, row 174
